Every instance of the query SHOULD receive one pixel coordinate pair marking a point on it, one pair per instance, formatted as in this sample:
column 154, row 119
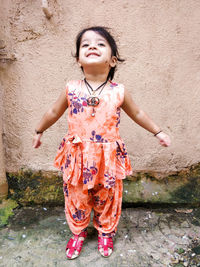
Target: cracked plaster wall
column 160, row 42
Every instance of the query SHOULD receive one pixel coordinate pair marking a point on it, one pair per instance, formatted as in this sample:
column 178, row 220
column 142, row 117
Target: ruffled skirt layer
column 92, row 163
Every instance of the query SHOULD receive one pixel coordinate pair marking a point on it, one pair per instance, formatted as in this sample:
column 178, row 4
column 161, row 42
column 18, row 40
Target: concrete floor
column 36, row 236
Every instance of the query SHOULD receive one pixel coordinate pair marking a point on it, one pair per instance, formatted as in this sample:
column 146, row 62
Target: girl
column 92, row 156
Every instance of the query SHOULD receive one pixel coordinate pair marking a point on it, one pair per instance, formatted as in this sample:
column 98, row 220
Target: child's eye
column 101, row 44
column 84, row 45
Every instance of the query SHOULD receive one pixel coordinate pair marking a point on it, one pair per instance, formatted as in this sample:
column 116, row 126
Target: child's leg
column 77, row 210
column 107, row 210
column 77, row 207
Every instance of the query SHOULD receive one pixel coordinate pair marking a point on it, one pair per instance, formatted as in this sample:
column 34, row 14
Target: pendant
column 93, row 113
column 93, row 101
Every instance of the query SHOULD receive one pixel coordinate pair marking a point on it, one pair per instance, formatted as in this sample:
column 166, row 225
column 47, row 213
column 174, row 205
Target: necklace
column 93, row 100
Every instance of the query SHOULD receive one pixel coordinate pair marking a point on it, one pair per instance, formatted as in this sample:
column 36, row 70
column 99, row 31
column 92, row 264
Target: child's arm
column 141, row 118
column 50, row 117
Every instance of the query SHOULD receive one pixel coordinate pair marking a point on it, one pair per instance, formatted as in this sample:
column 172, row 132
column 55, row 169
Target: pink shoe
column 75, row 245
column 105, row 243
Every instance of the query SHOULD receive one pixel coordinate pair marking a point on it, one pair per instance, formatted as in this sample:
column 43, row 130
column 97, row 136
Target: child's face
column 95, row 50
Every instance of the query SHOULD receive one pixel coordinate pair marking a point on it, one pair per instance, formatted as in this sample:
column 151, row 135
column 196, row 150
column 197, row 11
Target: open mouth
column 92, row 54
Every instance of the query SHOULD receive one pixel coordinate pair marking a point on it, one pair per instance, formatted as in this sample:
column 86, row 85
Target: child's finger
column 165, row 143
column 36, row 142
column 36, row 145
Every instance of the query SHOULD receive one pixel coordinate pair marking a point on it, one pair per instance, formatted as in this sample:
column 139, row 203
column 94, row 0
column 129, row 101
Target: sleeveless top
column 92, row 152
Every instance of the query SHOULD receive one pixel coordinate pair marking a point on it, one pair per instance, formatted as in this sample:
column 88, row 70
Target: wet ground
column 36, row 236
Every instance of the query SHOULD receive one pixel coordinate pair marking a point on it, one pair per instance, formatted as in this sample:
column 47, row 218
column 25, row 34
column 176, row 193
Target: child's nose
column 92, row 46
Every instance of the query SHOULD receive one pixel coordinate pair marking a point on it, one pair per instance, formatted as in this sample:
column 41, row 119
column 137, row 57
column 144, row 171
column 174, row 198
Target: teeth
column 92, row 55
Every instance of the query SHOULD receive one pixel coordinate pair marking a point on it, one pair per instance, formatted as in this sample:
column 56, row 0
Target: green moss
column 46, row 188
column 180, row 251
column 187, row 193
column 196, row 250
column 180, row 187
column 132, row 192
column 29, row 187
column 145, row 191
column 6, row 210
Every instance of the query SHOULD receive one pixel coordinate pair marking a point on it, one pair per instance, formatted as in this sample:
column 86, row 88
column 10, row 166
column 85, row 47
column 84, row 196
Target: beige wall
column 159, row 40
column 3, row 181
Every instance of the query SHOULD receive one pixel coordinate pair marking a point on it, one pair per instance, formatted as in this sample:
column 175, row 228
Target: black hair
column 103, row 31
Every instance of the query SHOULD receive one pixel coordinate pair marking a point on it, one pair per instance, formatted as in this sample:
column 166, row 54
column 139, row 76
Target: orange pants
column 105, row 202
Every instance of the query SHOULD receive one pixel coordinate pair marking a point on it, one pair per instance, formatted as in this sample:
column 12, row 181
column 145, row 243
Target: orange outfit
column 93, row 159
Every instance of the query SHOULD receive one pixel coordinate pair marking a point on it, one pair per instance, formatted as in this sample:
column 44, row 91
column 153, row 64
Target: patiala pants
column 106, row 203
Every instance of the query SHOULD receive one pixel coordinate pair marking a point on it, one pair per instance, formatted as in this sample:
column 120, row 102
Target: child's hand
column 36, row 140
column 164, row 139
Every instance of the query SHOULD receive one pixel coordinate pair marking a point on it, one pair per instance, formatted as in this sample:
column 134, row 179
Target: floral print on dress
column 110, row 180
column 118, row 116
column 77, row 103
column 62, row 143
column 65, row 189
column 88, row 173
column 121, row 151
column 68, row 161
column 96, row 217
column 97, row 138
column 98, row 201
column 87, row 176
column 79, row 215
